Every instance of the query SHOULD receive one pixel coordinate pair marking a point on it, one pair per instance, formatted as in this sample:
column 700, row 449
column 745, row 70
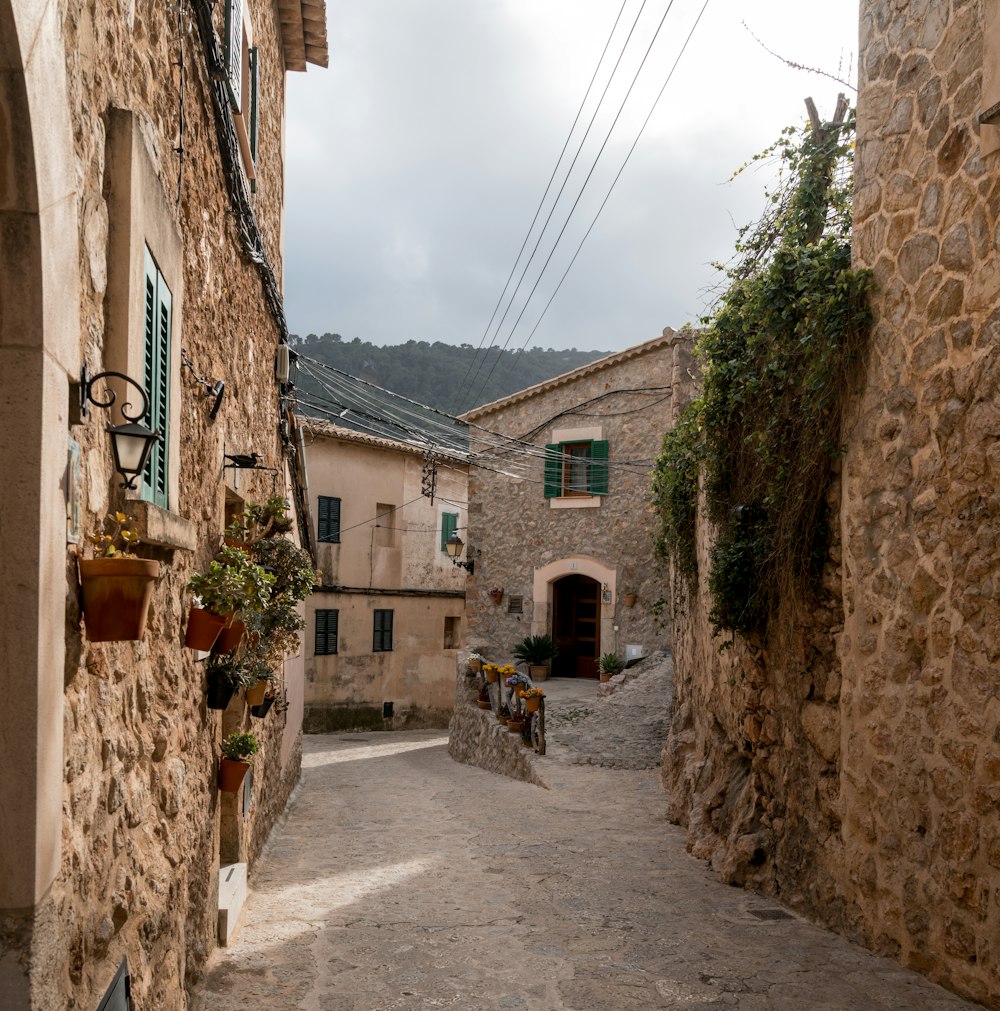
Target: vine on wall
column 777, row 356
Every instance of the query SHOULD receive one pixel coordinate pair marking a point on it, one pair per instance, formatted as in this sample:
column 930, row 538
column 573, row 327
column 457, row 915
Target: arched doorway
column 576, row 626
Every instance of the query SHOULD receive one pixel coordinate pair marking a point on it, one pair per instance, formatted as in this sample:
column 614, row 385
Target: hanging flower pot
column 531, row 703
column 629, row 599
column 220, row 692
column 116, row 596
column 203, row 628
column 255, row 695
column 231, row 775
column 262, row 710
column 496, row 594
column 231, row 636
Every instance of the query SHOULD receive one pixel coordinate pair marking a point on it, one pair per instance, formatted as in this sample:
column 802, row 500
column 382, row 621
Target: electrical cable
column 611, row 188
column 548, row 186
column 576, row 202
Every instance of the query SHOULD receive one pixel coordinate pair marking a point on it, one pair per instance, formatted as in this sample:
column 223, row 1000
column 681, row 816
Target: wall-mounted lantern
column 131, row 442
column 454, row 546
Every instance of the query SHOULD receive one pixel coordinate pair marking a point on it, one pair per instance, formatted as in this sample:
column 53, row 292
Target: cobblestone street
column 404, row 880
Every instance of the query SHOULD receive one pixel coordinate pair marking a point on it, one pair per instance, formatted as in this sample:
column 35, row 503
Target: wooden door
column 576, row 611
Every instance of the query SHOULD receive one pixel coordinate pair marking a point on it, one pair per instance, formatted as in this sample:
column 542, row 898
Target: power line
column 541, row 202
column 579, row 195
column 610, row 189
column 569, row 172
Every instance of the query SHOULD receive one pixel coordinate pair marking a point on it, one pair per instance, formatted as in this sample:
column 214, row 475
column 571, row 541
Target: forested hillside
column 444, row 376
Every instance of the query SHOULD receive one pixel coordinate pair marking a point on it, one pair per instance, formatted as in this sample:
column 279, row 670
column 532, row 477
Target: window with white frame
column 243, row 78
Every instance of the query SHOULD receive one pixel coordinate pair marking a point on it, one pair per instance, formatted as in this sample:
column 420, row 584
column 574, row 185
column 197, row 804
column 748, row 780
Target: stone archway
column 544, row 592
column 39, row 351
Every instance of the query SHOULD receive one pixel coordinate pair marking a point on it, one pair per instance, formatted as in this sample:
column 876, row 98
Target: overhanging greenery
column 777, row 355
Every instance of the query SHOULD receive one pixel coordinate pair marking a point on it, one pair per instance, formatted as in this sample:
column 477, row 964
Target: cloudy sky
column 416, row 162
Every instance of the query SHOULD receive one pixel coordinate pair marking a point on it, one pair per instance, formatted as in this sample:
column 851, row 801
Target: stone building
column 141, row 200
column 387, row 620
column 862, row 783
column 560, row 524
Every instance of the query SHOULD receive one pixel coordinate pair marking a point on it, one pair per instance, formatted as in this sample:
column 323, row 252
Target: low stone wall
column 476, row 738
column 332, row 719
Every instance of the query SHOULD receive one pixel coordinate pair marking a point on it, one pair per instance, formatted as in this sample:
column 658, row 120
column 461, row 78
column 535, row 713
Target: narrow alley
column 403, row 880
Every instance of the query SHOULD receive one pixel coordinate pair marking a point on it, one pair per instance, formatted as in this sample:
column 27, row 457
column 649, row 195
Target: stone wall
column 476, row 738
column 851, row 767
column 521, row 544
column 142, row 820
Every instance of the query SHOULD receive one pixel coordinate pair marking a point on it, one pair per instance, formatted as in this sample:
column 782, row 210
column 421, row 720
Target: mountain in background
column 440, row 375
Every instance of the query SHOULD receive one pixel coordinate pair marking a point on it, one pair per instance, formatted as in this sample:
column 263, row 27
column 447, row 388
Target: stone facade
column 527, row 544
column 373, row 559
column 113, row 826
column 852, row 766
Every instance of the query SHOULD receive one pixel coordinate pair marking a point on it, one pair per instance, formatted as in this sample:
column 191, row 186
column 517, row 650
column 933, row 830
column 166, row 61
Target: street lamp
column 131, row 443
column 454, row 546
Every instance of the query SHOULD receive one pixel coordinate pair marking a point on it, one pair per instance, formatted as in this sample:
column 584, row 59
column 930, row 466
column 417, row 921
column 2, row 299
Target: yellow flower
column 121, row 517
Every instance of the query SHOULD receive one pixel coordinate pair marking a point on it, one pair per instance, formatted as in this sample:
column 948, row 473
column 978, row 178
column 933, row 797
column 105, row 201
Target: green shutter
column 157, row 320
column 234, row 51
column 598, row 473
column 553, row 470
column 449, row 524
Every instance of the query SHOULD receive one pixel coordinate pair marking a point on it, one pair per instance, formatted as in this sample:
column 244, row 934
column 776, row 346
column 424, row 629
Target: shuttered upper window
column 326, row 632
column 157, row 320
column 328, row 520
column 449, row 524
column 576, row 468
column 382, row 637
column 243, row 79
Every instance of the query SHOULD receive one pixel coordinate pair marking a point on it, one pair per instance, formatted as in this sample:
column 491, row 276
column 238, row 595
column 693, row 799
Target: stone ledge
column 476, row 738
column 162, row 527
column 233, row 894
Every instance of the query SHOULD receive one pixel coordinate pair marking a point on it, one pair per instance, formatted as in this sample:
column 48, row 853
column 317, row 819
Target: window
column 382, row 638
column 515, row 604
column 242, row 76
column 156, row 377
column 385, row 524
column 328, row 520
column 449, row 524
column 326, row 632
column 450, row 633
column 576, row 468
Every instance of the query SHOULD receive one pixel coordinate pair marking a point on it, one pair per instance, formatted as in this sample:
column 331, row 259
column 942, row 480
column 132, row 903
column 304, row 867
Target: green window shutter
column 326, row 632
column 553, row 470
column 598, row 467
column 328, row 520
column 254, row 100
column 449, row 524
column 157, row 321
column 234, row 51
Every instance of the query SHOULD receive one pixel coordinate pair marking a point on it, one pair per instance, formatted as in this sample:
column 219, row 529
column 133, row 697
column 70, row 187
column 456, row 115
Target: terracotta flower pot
column 203, row 628
column 538, row 672
column 483, row 705
column 493, row 676
column 262, row 710
column 230, row 637
column 116, row 596
column 255, row 695
column 532, row 704
column 476, row 665
column 629, row 600
column 231, row 775
column 514, row 726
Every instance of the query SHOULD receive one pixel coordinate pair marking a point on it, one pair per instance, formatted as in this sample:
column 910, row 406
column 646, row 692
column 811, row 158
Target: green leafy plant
column 611, row 663
column 239, row 747
column 232, row 582
column 778, row 354
column 536, row 650
column 114, row 539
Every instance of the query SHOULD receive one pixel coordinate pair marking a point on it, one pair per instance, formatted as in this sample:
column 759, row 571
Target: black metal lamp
column 454, row 546
column 131, row 442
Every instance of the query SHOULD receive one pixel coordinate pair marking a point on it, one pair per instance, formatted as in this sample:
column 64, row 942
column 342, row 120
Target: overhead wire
column 613, row 183
column 562, row 187
column 541, row 203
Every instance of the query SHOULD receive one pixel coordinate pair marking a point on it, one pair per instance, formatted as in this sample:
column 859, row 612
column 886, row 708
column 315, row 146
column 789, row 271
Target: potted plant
column 537, row 651
column 629, row 597
column 236, row 749
column 532, row 698
column 610, row 665
column 259, row 521
column 496, row 594
column 233, row 583
column 272, row 697
column 484, row 698
column 117, row 586
column 475, row 661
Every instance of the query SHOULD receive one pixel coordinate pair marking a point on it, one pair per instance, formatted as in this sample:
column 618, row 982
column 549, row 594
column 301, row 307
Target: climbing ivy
column 777, row 354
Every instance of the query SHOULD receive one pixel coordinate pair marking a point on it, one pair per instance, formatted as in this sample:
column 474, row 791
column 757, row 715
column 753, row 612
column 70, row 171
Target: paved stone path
column 403, row 881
